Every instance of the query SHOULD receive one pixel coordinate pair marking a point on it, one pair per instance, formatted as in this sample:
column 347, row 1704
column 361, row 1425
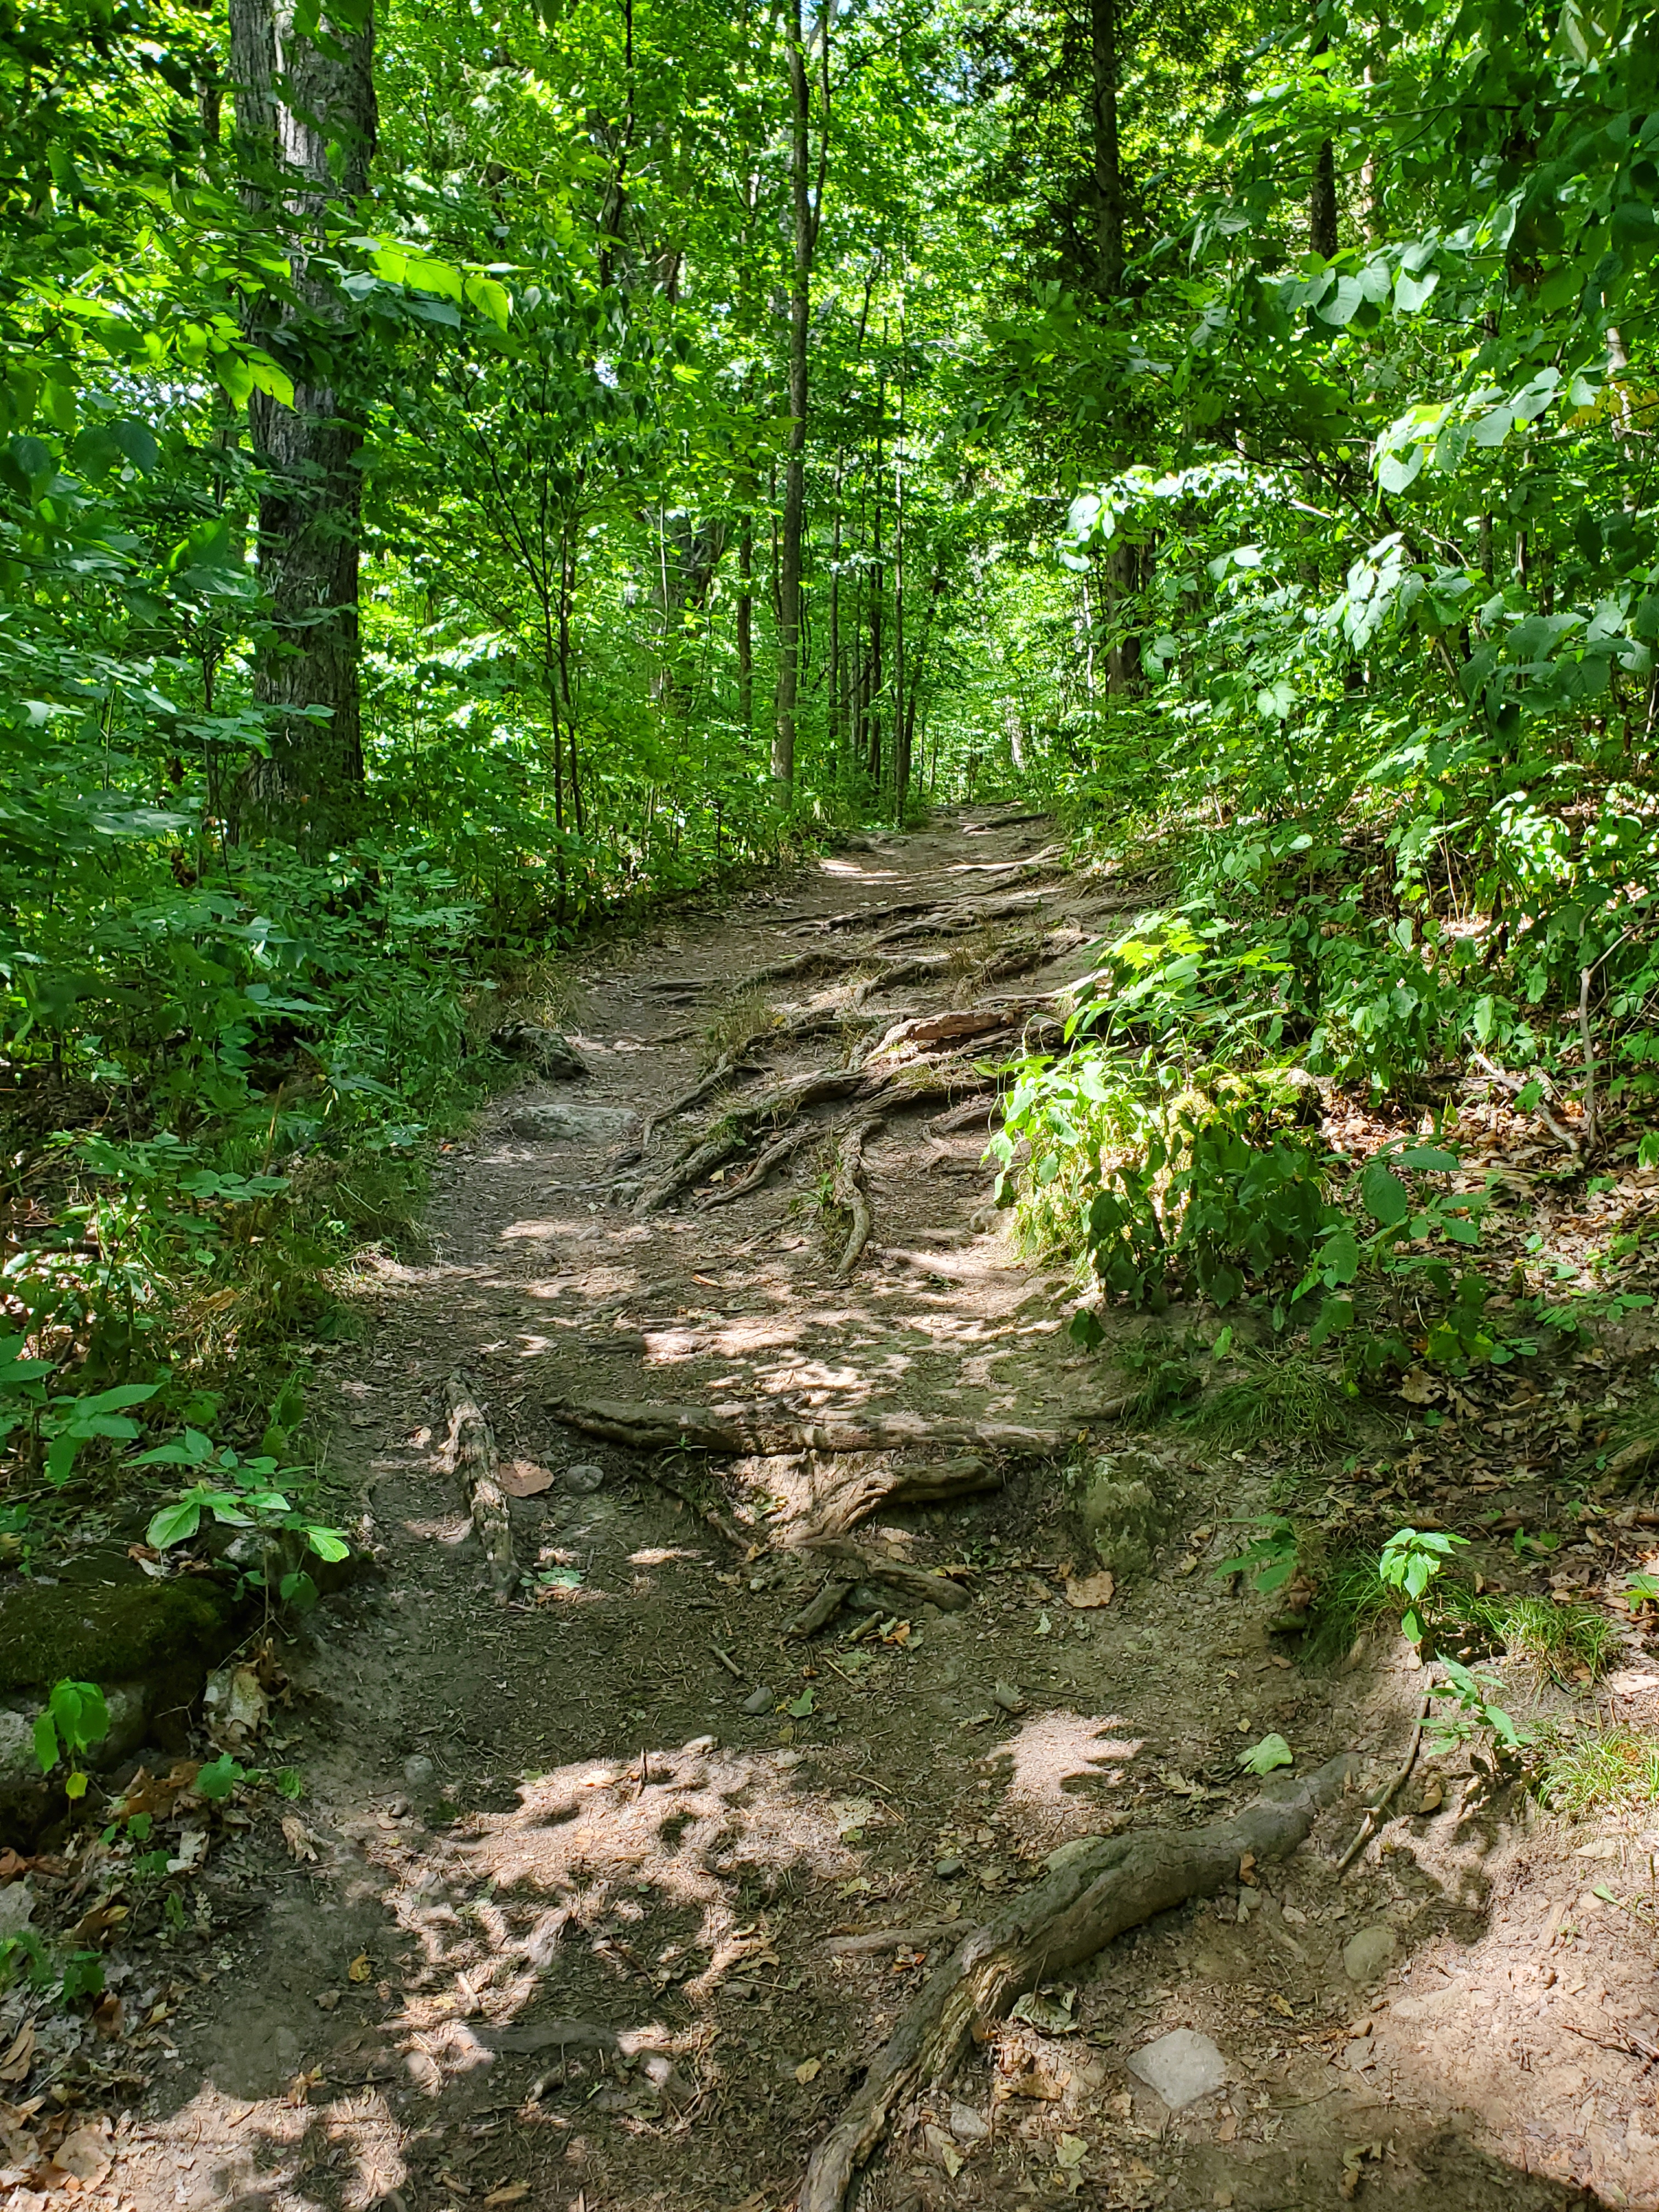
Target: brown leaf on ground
column 522, row 1478
column 299, row 1839
column 85, row 2154
column 1085, row 1593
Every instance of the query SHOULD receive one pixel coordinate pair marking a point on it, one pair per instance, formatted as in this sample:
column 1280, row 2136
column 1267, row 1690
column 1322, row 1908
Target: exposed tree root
column 782, row 1148
column 724, row 1065
column 959, row 1118
column 853, row 1191
column 470, row 1450
column 913, row 1582
column 729, row 1430
column 778, row 1104
column 1118, row 1883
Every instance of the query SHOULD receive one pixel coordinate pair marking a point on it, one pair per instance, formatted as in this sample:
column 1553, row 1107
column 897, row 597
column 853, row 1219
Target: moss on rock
column 122, row 1633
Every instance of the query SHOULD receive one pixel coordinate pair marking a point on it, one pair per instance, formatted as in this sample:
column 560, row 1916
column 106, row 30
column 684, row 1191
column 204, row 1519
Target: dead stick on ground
column 470, row 1450
column 1373, row 1820
column 1117, row 1884
column 892, row 1939
column 853, row 1191
column 916, row 1582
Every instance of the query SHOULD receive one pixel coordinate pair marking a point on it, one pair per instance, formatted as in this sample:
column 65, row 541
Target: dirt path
column 631, row 1802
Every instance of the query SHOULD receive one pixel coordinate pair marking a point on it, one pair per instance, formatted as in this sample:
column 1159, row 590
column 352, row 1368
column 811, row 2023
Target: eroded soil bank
column 557, row 1919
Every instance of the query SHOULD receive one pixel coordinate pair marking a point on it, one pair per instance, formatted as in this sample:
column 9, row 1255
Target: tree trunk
column 746, row 625
column 1109, row 180
column 306, row 120
column 794, row 475
column 1322, row 203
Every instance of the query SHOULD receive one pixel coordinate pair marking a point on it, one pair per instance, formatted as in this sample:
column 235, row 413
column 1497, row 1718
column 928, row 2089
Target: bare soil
column 576, row 1811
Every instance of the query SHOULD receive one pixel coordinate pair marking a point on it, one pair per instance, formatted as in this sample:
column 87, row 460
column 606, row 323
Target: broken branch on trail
column 1115, row 1884
column 853, row 1192
column 913, row 1582
column 470, row 1450
column 783, row 1148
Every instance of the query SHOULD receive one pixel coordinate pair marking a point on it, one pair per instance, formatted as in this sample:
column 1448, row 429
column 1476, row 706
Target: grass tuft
column 1604, row 1770
column 744, row 1016
column 1291, row 1399
column 1560, row 1641
column 1350, row 1599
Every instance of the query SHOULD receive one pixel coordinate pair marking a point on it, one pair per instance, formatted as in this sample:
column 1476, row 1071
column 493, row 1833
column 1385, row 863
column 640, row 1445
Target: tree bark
column 1109, row 180
column 794, row 474
column 306, row 121
column 1322, row 203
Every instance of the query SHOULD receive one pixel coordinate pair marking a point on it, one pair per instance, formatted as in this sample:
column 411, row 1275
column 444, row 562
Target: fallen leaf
column 360, row 1969
column 300, row 1843
column 522, row 1478
column 951, row 2159
column 1072, row 2150
column 1087, row 1593
column 510, row 2195
column 1418, row 1387
column 1434, row 1795
column 1247, row 1868
column 85, row 2153
column 19, row 2055
column 809, row 2069
column 107, row 2017
column 1261, row 1757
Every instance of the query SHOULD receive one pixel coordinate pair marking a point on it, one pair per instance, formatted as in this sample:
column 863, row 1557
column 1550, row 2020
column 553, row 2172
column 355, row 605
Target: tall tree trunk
column 794, row 475
column 306, row 121
column 746, row 625
column 1109, row 179
column 878, row 599
column 1322, row 203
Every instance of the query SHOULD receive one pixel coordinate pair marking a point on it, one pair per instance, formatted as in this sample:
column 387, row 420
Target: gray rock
column 1367, row 1956
column 1181, row 2066
column 560, row 1120
column 950, row 1866
column 16, row 1908
column 759, row 1701
column 966, row 2125
column 582, row 1480
column 1005, row 1695
column 548, row 1051
column 419, row 1772
column 1126, row 1511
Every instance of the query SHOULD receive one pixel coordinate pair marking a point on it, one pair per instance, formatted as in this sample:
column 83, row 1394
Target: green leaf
column 46, row 1742
column 217, row 1780
column 174, row 1524
column 1262, row 1757
column 1085, row 1330
column 798, row 1708
column 1386, row 1198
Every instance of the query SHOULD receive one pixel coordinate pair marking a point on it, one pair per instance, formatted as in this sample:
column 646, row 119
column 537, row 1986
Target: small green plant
column 1269, row 1560
column 1467, row 1709
column 1410, row 1560
column 1561, row 1641
column 1262, row 1757
column 219, row 1778
column 75, row 1718
column 238, row 1494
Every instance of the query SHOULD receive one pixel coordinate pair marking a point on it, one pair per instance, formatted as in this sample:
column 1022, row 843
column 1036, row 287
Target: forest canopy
column 467, row 469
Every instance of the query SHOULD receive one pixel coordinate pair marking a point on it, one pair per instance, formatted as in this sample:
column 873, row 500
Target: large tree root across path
column 1098, row 1892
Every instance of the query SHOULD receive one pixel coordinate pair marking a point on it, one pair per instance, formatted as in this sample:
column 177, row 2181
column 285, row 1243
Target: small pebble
column 759, row 1701
column 948, row 1867
column 1005, row 1695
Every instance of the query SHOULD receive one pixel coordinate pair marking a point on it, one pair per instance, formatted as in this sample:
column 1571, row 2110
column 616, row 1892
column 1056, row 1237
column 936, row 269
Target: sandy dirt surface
column 554, row 1924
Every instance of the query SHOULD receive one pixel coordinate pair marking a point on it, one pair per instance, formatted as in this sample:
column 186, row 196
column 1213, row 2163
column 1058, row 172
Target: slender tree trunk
column 795, row 477
column 878, row 600
column 1322, row 203
column 305, row 126
column 746, row 625
column 1109, row 180
column 901, row 726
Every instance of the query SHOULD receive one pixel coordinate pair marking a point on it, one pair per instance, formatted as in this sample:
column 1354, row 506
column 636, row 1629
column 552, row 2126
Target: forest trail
column 554, row 1924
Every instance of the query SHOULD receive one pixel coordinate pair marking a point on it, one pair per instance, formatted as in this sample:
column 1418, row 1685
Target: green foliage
column 1290, row 1398
column 1269, row 1560
column 1409, row 1562
column 75, row 1718
column 1465, row 1710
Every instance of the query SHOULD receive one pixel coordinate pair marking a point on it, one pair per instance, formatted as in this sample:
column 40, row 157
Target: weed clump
column 1292, row 1398
column 1604, row 1770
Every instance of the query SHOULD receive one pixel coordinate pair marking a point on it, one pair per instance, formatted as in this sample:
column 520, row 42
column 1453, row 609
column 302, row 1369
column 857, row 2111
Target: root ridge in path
column 677, row 1789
